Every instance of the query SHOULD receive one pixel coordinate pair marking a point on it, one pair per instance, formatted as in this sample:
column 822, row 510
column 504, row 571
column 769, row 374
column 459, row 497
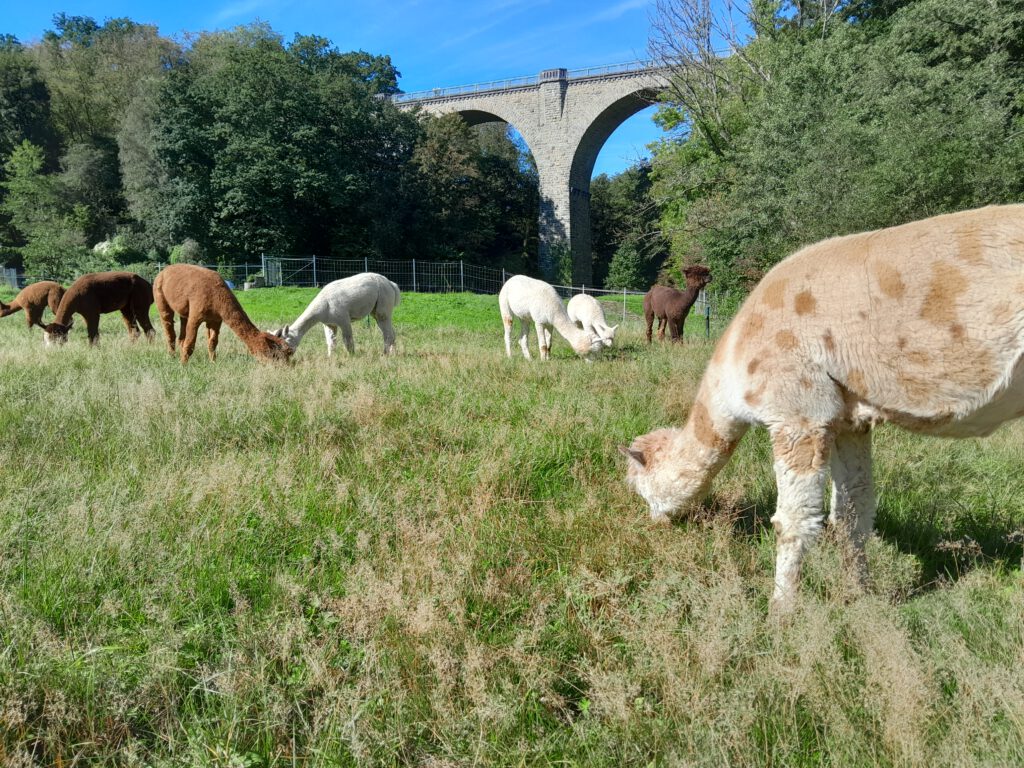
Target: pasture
column 434, row 559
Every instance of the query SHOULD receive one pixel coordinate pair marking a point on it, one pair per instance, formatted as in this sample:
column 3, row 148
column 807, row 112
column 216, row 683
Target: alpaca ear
column 636, row 456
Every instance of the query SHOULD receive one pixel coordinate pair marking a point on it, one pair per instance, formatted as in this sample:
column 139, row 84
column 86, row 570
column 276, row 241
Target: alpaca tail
column 398, row 293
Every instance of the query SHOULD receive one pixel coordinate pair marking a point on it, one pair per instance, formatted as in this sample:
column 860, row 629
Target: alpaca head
column 56, row 334
column 272, row 347
column 286, row 333
column 665, row 479
column 588, row 345
column 697, row 276
column 607, row 335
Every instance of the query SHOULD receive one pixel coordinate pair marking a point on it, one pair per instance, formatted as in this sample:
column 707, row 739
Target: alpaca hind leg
column 188, row 343
column 212, row 337
column 387, row 331
column 128, row 315
column 524, row 337
column 34, row 315
column 650, row 325
column 144, row 321
column 506, row 321
column 852, row 510
column 167, row 318
column 801, row 455
column 662, row 322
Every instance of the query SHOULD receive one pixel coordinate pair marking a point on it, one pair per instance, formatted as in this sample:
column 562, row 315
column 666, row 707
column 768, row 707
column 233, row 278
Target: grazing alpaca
column 200, row 296
column 920, row 325
column 535, row 300
column 97, row 294
column 34, row 299
column 343, row 301
column 671, row 306
column 586, row 311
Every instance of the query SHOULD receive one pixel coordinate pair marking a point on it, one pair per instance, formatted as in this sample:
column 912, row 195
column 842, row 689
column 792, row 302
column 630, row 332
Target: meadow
column 433, row 559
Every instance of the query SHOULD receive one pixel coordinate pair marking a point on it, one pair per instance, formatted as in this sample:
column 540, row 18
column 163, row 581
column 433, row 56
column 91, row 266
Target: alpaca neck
column 690, row 296
column 9, row 309
column 569, row 330
column 703, row 446
column 236, row 319
column 310, row 316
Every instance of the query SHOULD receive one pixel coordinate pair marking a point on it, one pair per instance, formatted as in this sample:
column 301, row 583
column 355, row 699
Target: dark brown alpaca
column 200, row 296
column 34, row 299
column 97, row 294
column 671, row 306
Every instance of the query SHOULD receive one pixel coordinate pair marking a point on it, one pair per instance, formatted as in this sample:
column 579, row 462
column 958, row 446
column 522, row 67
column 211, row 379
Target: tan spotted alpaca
column 920, row 325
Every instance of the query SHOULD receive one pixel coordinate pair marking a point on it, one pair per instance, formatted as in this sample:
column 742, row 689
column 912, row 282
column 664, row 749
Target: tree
column 51, row 228
column 865, row 115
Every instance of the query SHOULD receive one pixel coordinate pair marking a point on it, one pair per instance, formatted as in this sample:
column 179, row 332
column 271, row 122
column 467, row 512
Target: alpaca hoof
column 660, row 518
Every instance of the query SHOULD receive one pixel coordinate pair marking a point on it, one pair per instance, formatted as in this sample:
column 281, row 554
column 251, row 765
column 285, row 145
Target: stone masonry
column 564, row 118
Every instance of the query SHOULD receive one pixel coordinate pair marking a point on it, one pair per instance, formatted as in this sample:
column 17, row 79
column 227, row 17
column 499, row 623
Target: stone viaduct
column 565, row 117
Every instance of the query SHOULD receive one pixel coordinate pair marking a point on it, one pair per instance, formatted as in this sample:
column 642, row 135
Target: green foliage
column 480, row 194
column 187, row 252
column 628, row 248
column 52, row 227
column 890, row 113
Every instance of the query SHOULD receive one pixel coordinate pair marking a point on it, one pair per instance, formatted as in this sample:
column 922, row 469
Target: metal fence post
column 462, row 278
column 414, row 275
column 623, row 305
column 263, row 266
column 707, row 317
column 315, row 283
column 366, row 264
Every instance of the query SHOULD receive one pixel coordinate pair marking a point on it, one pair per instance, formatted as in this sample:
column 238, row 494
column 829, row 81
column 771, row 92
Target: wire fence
column 621, row 305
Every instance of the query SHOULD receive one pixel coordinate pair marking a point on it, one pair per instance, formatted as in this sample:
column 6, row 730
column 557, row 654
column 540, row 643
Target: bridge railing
column 525, row 81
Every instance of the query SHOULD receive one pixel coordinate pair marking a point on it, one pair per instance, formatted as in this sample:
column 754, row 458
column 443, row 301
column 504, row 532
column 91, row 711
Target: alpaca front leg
column 543, row 342
column 212, row 337
column 331, row 336
column 168, row 322
column 387, row 330
column 800, row 460
column 852, row 511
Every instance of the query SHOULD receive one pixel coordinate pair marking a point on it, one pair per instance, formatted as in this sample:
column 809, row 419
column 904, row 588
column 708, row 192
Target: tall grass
column 433, row 559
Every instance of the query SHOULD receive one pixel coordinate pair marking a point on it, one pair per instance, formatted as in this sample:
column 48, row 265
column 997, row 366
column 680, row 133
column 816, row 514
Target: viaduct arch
column 565, row 117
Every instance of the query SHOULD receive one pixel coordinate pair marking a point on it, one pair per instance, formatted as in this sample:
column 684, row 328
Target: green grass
column 433, row 559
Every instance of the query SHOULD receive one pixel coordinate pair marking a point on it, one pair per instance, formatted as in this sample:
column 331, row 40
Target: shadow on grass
column 946, row 551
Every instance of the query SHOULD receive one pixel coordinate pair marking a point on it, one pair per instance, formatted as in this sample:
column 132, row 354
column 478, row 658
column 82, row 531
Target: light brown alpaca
column 97, row 294
column 200, row 296
column 920, row 325
column 34, row 299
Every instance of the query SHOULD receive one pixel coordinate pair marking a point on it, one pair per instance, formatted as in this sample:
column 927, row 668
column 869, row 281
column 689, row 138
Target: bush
column 187, row 252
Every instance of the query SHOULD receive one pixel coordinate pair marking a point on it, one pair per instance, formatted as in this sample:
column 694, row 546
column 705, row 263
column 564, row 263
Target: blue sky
column 434, row 43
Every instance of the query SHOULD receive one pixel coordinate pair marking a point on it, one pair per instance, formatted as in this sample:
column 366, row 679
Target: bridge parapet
column 530, row 81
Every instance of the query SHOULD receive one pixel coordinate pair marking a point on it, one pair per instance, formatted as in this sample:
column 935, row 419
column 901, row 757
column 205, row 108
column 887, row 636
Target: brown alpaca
column 97, row 294
column 34, row 299
column 201, row 296
column 671, row 306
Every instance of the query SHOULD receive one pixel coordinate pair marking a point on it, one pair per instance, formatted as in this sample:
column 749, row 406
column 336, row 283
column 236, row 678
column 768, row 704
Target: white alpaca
column 341, row 302
column 586, row 311
column 535, row 300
